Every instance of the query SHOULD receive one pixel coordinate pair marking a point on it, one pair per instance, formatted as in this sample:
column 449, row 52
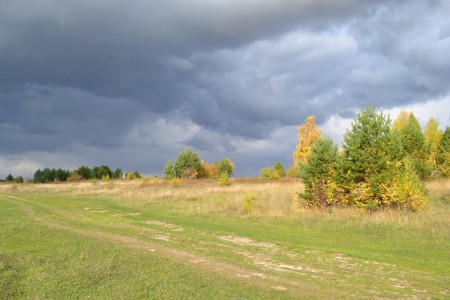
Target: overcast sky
column 131, row 83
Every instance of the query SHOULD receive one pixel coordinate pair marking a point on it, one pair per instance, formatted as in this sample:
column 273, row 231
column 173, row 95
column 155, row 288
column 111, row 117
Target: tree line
column 11, row 178
column 82, row 173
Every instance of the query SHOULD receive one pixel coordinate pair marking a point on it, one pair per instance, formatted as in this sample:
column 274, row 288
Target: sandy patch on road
column 161, row 237
column 246, row 241
column 166, row 225
column 127, row 214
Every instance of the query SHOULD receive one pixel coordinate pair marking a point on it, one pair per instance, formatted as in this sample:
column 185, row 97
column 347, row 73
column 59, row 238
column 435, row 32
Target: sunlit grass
column 85, row 239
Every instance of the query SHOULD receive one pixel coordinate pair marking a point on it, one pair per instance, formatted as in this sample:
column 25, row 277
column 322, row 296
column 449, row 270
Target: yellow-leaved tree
column 433, row 136
column 308, row 134
column 209, row 170
column 401, row 121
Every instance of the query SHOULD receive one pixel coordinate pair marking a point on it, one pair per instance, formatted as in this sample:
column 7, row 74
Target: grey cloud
column 50, row 119
column 283, row 80
column 126, row 82
column 413, row 35
column 114, row 48
column 208, row 141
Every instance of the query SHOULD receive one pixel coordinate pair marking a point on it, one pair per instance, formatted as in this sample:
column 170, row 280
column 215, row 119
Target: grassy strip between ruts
column 141, row 240
column 41, row 262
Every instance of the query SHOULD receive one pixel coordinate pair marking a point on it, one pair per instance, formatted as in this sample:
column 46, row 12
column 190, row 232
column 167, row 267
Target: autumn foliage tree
column 443, row 157
column 209, row 170
column 308, row 134
column 414, row 145
column 433, row 136
column 401, row 121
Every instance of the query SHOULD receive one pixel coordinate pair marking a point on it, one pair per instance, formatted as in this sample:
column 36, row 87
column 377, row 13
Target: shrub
column 175, row 182
column 74, row 177
column 18, row 179
column 248, row 205
column 136, row 175
column 226, row 166
column 279, row 169
column 128, row 176
column 265, row 173
column 224, row 179
column 275, row 172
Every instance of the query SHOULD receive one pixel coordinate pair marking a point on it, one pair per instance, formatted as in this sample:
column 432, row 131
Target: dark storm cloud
column 119, row 81
column 336, row 71
column 49, row 119
column 118, row 49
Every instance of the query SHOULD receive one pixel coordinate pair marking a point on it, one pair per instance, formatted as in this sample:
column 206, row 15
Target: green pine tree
column 318, row 171
column 370, row 152
column 187, row 165
column 169, row 171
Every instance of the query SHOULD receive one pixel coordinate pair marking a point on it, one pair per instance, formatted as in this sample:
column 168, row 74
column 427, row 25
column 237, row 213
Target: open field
column 149, row 240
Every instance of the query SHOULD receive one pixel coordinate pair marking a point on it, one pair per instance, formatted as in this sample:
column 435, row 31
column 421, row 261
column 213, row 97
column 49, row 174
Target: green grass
column 150, row 240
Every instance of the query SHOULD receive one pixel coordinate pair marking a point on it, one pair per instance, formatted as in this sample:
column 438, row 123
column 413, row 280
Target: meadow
column 147, row 239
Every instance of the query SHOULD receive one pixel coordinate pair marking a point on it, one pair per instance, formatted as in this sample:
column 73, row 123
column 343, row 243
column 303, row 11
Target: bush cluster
column 189, row 166
column 372, row 171
column 10, row 178
column 275, row 172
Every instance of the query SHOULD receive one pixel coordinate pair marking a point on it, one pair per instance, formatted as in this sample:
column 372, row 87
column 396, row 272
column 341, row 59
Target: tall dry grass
column 274, row 198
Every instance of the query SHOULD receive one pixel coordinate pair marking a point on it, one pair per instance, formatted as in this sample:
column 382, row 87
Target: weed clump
column 249, row 203
column 175, row 182
column 224, row 180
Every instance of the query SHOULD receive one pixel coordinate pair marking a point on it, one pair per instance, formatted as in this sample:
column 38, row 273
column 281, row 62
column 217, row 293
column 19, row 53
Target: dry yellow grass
column 273, row 198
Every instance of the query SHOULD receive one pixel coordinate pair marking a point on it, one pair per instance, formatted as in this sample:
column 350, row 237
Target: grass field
column 250, row 240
